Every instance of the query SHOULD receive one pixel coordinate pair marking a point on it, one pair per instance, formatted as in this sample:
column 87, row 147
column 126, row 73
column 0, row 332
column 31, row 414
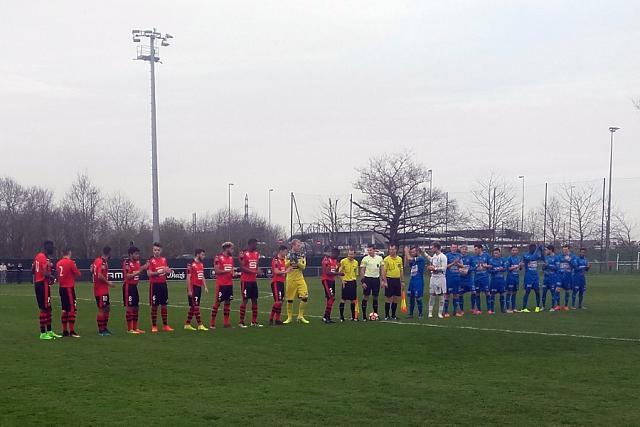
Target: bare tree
column 332, row 218
column 122, row 220
column 553, row 220
column 395, row 199
column 623, row 229
column 494, row 203
column 582, row 203
column 81, row 208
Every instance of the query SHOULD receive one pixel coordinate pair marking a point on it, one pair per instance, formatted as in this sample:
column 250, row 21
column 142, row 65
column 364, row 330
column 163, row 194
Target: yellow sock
column 289, row 309
column 301, row 308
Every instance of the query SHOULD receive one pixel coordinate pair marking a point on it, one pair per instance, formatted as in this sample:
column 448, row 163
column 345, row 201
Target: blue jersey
column 466, row 261
column 550, row 267
column 566, row 263
column 454, row 270
column 417, row 270
column 512, row 261
column 477, row 263
column 580, row 265
column 531, row 262
column 496, row 266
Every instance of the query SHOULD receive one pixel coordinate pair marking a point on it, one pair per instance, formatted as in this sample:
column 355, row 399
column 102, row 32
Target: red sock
column 278, row 310
column 64, row 318
column 72, row 321
column 106, row 319
column 243, row 311
column 154, row 315
column 254, row 311
column 135, row 319
column 214, row 313
column 227, row 311
column 196, row 312
column 163, row 311
column 100, row 321
column 43, row 321
column 189, row 316
column 49, row 310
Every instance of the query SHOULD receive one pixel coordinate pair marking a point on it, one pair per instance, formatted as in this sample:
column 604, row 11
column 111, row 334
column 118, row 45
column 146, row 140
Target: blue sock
column 487, row 297
column 574, row 294
column 525, row 299
column 420, row 306
column 474, row 302
column 557, row 294
column 455, row 304
column 446, row 305
column 580, row 298
column 513, row 301
column 537, row 297
column 412, row 304
column 544, row 297
column 566, row 298
column 502, row 303
column 461, row 302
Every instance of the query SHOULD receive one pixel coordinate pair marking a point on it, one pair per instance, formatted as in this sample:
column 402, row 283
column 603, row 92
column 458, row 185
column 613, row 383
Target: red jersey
column 100, row 287
column 225, row 263
column 155, row 265
column 277, row 265
column 249, row 259
column 128, row 267
column 67, row 272
column 40, row 265
column 329, row 265
column 196, row 273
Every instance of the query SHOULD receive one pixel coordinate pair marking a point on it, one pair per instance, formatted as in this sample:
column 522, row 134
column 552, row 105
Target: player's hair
column 350, row 249
column 392, row 244
column 335, row 251
column 551, row 248
column 583, row 249
column 282, row 248
column 514, row 247
column 436, row 245
column 496, row 250
column 47, row 243
column 226, row 245
column 478, row 245
column 371, row 246
column 252, row 241
column 294, row 241
column 66, row 251
column 566, row 246
column 327, row 248
column 198, row 251
column 106, row 250
column 157, row 244
column 532, row 246
column 132, row 250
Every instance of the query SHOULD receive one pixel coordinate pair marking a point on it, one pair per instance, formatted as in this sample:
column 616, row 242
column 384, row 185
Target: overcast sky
column 293, row 95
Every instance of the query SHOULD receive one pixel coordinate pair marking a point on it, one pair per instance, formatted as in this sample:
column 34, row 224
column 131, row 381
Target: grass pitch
column 574, row 368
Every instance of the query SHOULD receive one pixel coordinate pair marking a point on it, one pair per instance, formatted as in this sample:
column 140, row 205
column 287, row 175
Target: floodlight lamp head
column 613, row 129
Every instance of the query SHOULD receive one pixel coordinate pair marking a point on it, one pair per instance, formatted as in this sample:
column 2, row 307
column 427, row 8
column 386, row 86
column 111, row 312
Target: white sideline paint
column 428, row 325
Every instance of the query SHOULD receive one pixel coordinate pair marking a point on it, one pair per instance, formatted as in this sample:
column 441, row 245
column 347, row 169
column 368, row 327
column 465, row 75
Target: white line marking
column 428, row 325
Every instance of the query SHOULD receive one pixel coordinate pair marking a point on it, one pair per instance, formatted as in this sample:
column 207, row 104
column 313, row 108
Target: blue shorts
column 482, row 284
column 513, row 282
column 453, row 284
column 566, row 281
column 550, row 282
column 416, row 290
column 579, row 282
column 531, row 280
column 497, row 284
column 466, row 285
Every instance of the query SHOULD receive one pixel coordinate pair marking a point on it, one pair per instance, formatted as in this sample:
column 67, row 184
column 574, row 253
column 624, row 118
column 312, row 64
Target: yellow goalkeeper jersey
column 296, row 273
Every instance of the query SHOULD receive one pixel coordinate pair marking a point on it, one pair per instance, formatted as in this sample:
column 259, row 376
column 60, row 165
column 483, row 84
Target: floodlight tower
column 150, row 53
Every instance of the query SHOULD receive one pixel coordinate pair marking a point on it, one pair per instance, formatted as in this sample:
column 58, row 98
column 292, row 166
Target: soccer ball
column 373, row 316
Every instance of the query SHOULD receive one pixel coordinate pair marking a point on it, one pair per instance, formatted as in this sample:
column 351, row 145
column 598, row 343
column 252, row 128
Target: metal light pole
column 229, row 218
column 570, row 210
column 150, row 53
column 612, row 130
column 430, row 172
column 270, row 191
column 522, row 208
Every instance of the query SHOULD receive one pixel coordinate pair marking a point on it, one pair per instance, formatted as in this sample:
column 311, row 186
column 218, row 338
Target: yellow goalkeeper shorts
column 296, row 289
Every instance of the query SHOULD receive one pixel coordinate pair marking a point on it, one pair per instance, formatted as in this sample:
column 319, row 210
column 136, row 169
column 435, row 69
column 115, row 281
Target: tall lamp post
column 270, row 191
column 430, row 172
column 612, row 130
column 522, row 208
column 150, row 53
column 229, row 218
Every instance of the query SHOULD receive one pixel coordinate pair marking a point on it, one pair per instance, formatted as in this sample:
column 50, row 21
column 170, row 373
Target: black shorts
column 68, row 298
column 43, row 295
column 194, row 300
column 277, row 289
column 103, row 301
column 373, row 286
column 225, row 293
column 130, row 296
column 394, row 287
column 158, row 294
column 329, row 288
column 249, row 290
column 349, row 290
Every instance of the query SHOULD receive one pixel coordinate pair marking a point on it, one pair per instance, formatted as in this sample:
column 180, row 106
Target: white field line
column 428, row 325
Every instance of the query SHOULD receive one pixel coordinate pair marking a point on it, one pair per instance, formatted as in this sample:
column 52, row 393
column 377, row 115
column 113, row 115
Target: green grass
column 343, row 374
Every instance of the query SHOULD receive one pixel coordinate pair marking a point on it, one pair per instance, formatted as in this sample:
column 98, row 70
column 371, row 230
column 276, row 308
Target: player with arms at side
column 393, row 281
column 195, row 283
column 371, row 269
column 249, row 269
column 296, row 286
column 349, row 274
column 496, row 271
column 101, row 285
column 466, row 276
column 223, row 267
column 417, row 260
column 131, row 270
column 453, row 281
column 566, row 262
column 531, row 277
column 277, row 285
column 513, row 265
column 158, row 289
column 551, row 280
column 329, row 273
column 438, row 281
column 580, row 266
column 42, row 280
column 480, row 265
column 67, row 274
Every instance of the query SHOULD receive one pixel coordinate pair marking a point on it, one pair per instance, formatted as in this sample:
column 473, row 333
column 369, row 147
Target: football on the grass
column 373, row 316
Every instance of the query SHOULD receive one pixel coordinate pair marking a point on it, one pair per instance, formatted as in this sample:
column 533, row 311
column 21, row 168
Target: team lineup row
column 452, row 275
